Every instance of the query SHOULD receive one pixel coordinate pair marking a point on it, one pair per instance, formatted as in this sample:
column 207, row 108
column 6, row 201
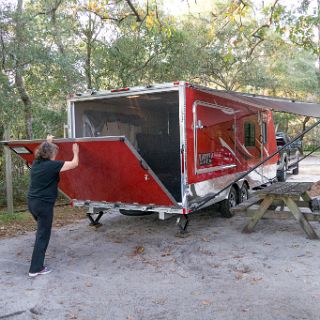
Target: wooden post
column 9, row 189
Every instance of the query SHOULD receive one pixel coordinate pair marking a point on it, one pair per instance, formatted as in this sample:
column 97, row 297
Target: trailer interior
column 149, row 121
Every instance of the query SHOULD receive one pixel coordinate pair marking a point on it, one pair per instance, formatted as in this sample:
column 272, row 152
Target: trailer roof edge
column 278, row 104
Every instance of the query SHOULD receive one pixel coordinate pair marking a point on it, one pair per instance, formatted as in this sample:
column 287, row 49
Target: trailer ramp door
column 110, row 170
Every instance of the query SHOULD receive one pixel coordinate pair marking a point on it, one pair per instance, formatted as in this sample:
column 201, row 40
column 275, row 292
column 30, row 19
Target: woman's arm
column 68, row 165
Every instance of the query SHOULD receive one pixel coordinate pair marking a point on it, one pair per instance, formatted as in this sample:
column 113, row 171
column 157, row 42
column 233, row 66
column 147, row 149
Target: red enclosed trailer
column 167, row 148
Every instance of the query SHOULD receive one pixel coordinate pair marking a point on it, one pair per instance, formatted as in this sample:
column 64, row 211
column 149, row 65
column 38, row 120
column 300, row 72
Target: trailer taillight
column 120, row 90
column 71, row 204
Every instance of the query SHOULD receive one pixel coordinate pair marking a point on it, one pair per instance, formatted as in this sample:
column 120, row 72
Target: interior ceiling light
column 21, row 150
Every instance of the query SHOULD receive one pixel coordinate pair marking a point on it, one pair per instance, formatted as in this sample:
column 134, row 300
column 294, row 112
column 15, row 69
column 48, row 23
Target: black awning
column 283, row 105
column 276, row 104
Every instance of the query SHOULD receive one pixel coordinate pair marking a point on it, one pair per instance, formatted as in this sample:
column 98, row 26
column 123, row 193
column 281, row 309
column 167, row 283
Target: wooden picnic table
column 287, row 194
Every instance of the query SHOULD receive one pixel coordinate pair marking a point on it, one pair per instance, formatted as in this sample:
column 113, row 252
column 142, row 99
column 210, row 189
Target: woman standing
column 42, row 195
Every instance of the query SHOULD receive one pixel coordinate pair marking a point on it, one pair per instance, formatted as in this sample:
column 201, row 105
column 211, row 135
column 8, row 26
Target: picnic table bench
column 292, row 195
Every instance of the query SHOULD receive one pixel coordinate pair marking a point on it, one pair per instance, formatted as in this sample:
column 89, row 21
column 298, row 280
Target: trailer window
column 249, row 134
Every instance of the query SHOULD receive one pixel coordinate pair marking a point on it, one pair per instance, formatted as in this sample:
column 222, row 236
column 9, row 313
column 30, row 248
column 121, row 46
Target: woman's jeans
column 42, row 212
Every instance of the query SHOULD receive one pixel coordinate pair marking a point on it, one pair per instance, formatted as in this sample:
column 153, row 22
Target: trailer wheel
column 135, row 213
column 244, row 193
column 229, row 203
column 282, row 173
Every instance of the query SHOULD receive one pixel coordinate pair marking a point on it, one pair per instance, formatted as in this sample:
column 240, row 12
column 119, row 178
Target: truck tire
column 244, row 193
column 282, row 173
column 296, row 169
column 227, row 204
column 135, row 213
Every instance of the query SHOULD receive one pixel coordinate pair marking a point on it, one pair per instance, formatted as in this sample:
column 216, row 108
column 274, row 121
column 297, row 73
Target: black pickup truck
column 288, row 157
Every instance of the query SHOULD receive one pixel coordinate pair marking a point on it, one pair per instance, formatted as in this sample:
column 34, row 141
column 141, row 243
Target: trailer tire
column 135, row 213
column 227, row 204
column 282, row 173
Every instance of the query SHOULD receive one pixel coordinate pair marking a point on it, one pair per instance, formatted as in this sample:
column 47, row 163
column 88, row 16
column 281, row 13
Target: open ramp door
column 110, row 170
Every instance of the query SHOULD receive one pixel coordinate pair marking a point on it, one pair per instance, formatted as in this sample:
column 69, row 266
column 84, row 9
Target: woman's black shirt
column 45, row 179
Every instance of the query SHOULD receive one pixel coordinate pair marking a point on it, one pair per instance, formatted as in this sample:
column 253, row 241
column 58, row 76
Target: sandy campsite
column 135, row 268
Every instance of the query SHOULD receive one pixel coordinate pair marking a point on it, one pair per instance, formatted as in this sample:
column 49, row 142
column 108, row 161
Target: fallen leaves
column 239, row 276
column 166, row 253
column 63, row 215
column 243, row 269
column 255, row 280
column 139, row 250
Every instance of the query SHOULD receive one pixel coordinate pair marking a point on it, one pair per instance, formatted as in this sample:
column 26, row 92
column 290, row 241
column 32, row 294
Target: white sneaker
column 45, row 270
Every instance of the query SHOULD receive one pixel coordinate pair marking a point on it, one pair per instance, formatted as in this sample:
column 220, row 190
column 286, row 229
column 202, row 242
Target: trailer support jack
column 182, row 233
column 95, row 222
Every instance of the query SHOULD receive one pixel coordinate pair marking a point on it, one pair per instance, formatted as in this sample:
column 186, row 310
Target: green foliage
column 20, row 181
column 9, row 218
column 303, row 21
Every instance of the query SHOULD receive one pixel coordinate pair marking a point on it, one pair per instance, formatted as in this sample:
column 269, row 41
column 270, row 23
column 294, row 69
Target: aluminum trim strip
column 70, row 124
column 120, row 205
column 107, row 95
column 104, row 138
column 73, row 122
column 207, row 170
column 183, row 144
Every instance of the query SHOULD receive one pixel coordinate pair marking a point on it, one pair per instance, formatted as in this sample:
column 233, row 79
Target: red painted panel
column 218, row 125
column 108, row 171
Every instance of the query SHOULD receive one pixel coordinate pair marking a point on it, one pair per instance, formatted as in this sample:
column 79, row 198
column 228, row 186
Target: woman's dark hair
column 46, row 151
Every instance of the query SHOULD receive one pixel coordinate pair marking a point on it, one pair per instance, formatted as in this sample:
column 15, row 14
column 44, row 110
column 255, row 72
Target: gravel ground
column 135, row 268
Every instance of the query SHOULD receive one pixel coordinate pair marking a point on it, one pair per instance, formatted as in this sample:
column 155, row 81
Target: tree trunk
column 27, row 110
column 88, row 65
column 89, row 36
column 1, row 139
column 304, row 125
column 318, row 73
column 19, row 81
column 58, row 40
column 286, row 125
column 8, row 175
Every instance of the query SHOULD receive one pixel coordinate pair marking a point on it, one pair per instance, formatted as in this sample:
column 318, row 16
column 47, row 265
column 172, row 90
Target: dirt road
column 135, row 268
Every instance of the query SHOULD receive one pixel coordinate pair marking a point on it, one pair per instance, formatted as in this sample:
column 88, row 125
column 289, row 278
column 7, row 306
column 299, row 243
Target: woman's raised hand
column 75, row 148
column 50, row 138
